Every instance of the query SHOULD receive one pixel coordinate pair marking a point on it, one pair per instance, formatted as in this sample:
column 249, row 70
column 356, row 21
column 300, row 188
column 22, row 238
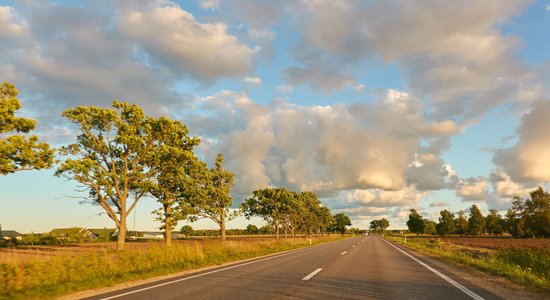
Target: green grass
column 526, row 266
column 43, row 279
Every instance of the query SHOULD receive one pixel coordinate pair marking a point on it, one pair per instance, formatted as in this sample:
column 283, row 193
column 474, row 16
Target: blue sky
column 377, row 106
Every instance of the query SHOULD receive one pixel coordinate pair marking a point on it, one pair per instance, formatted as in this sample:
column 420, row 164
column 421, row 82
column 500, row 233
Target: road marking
column 308, row 277
column 215, row 271
column 343, row 252
column 353, row 246
column 436, row 272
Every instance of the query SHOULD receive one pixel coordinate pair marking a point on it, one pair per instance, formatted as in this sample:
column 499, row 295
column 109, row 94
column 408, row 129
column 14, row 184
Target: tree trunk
column 121, row 234
column 222, row 225
column 277, row 229
column 167, row 225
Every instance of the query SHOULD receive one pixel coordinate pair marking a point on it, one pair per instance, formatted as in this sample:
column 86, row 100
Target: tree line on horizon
column 526, row 218
column 122, row 155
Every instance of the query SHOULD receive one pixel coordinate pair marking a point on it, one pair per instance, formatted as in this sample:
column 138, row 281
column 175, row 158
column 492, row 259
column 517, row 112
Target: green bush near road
column 42, row 279
column 526, row 266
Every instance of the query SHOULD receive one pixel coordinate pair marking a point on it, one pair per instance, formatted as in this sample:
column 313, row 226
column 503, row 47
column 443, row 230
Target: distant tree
column 340, row 221
column 19, row 152
column 536, row 214
column 416, row 222
column 379, row 226
column 461, row 223
column 110, row 158
column 187, row 230
column 251, row 229
column 269, row 204
column 476, row 222
column 429, row 227
column 493, row 222
column 446, row 223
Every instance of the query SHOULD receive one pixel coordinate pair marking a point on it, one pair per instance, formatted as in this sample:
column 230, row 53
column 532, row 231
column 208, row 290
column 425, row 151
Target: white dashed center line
column 308, row 277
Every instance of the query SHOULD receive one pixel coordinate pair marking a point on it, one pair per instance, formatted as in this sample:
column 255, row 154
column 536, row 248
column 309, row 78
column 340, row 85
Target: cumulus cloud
column 325, row 149
column 203, row 50
column 527, row 161
column 209, row 4
column 452, row 53
column 473, row 189
column 379, row 198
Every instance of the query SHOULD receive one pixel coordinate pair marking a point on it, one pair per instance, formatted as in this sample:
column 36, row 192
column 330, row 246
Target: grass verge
column 44, row 279
column 526, row 266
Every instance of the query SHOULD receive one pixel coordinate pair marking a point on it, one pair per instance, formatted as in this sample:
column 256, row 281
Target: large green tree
column 446, row 223
column 379, row 226
column 214, row 202
column 416, row 222
column 19, row 152
column 476, row 221
column 110, row 158
column 175, row 170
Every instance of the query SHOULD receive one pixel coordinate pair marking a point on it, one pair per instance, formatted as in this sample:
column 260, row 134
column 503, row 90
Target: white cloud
column 204, row 51
column 527, row 161
column 11, row 24
column 255, row 81
column 408, row 196
column 473, row 189
column 209, row 4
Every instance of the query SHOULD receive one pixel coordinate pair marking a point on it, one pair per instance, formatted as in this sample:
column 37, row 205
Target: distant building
column 9, row 234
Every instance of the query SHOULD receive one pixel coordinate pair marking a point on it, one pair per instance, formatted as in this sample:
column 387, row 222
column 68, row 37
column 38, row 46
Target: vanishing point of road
column 365, row 267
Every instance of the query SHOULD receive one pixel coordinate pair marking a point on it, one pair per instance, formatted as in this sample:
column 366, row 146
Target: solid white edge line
column 211, row 272
column 308, row 277
column 343, row 252
column 449, row 280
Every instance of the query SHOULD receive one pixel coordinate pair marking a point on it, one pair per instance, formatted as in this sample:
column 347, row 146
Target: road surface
column 365, row 267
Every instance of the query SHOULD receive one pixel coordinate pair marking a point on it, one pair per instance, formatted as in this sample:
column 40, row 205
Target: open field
column 48, row 271
column 22, row 254
column 522, row 261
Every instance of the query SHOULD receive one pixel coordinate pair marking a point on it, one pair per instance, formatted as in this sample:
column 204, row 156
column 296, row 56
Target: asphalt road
column 356, row 268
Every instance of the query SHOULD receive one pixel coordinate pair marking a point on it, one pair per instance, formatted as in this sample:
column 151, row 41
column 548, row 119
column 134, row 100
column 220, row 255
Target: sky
column 376, row 106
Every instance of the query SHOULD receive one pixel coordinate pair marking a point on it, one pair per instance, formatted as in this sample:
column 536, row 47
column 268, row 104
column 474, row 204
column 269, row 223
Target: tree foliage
column 476, row 221
column 446, row 223
column 415, row 223
column 379, row 226
column 339, row 223
column 110, row 158
column 174, row 170
column 19, row 152
column 213, row 203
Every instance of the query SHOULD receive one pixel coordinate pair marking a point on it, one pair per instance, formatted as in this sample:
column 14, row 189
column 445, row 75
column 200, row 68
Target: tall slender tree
column 19, row 152
column 446, row 223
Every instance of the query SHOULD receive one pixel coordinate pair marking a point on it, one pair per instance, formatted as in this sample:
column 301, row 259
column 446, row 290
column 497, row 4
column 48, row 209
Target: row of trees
column 122, row 155
column 289, row 211
column 526, row 218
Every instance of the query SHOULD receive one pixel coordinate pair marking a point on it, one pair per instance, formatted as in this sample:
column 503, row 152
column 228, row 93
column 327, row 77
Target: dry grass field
column 497, row 242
